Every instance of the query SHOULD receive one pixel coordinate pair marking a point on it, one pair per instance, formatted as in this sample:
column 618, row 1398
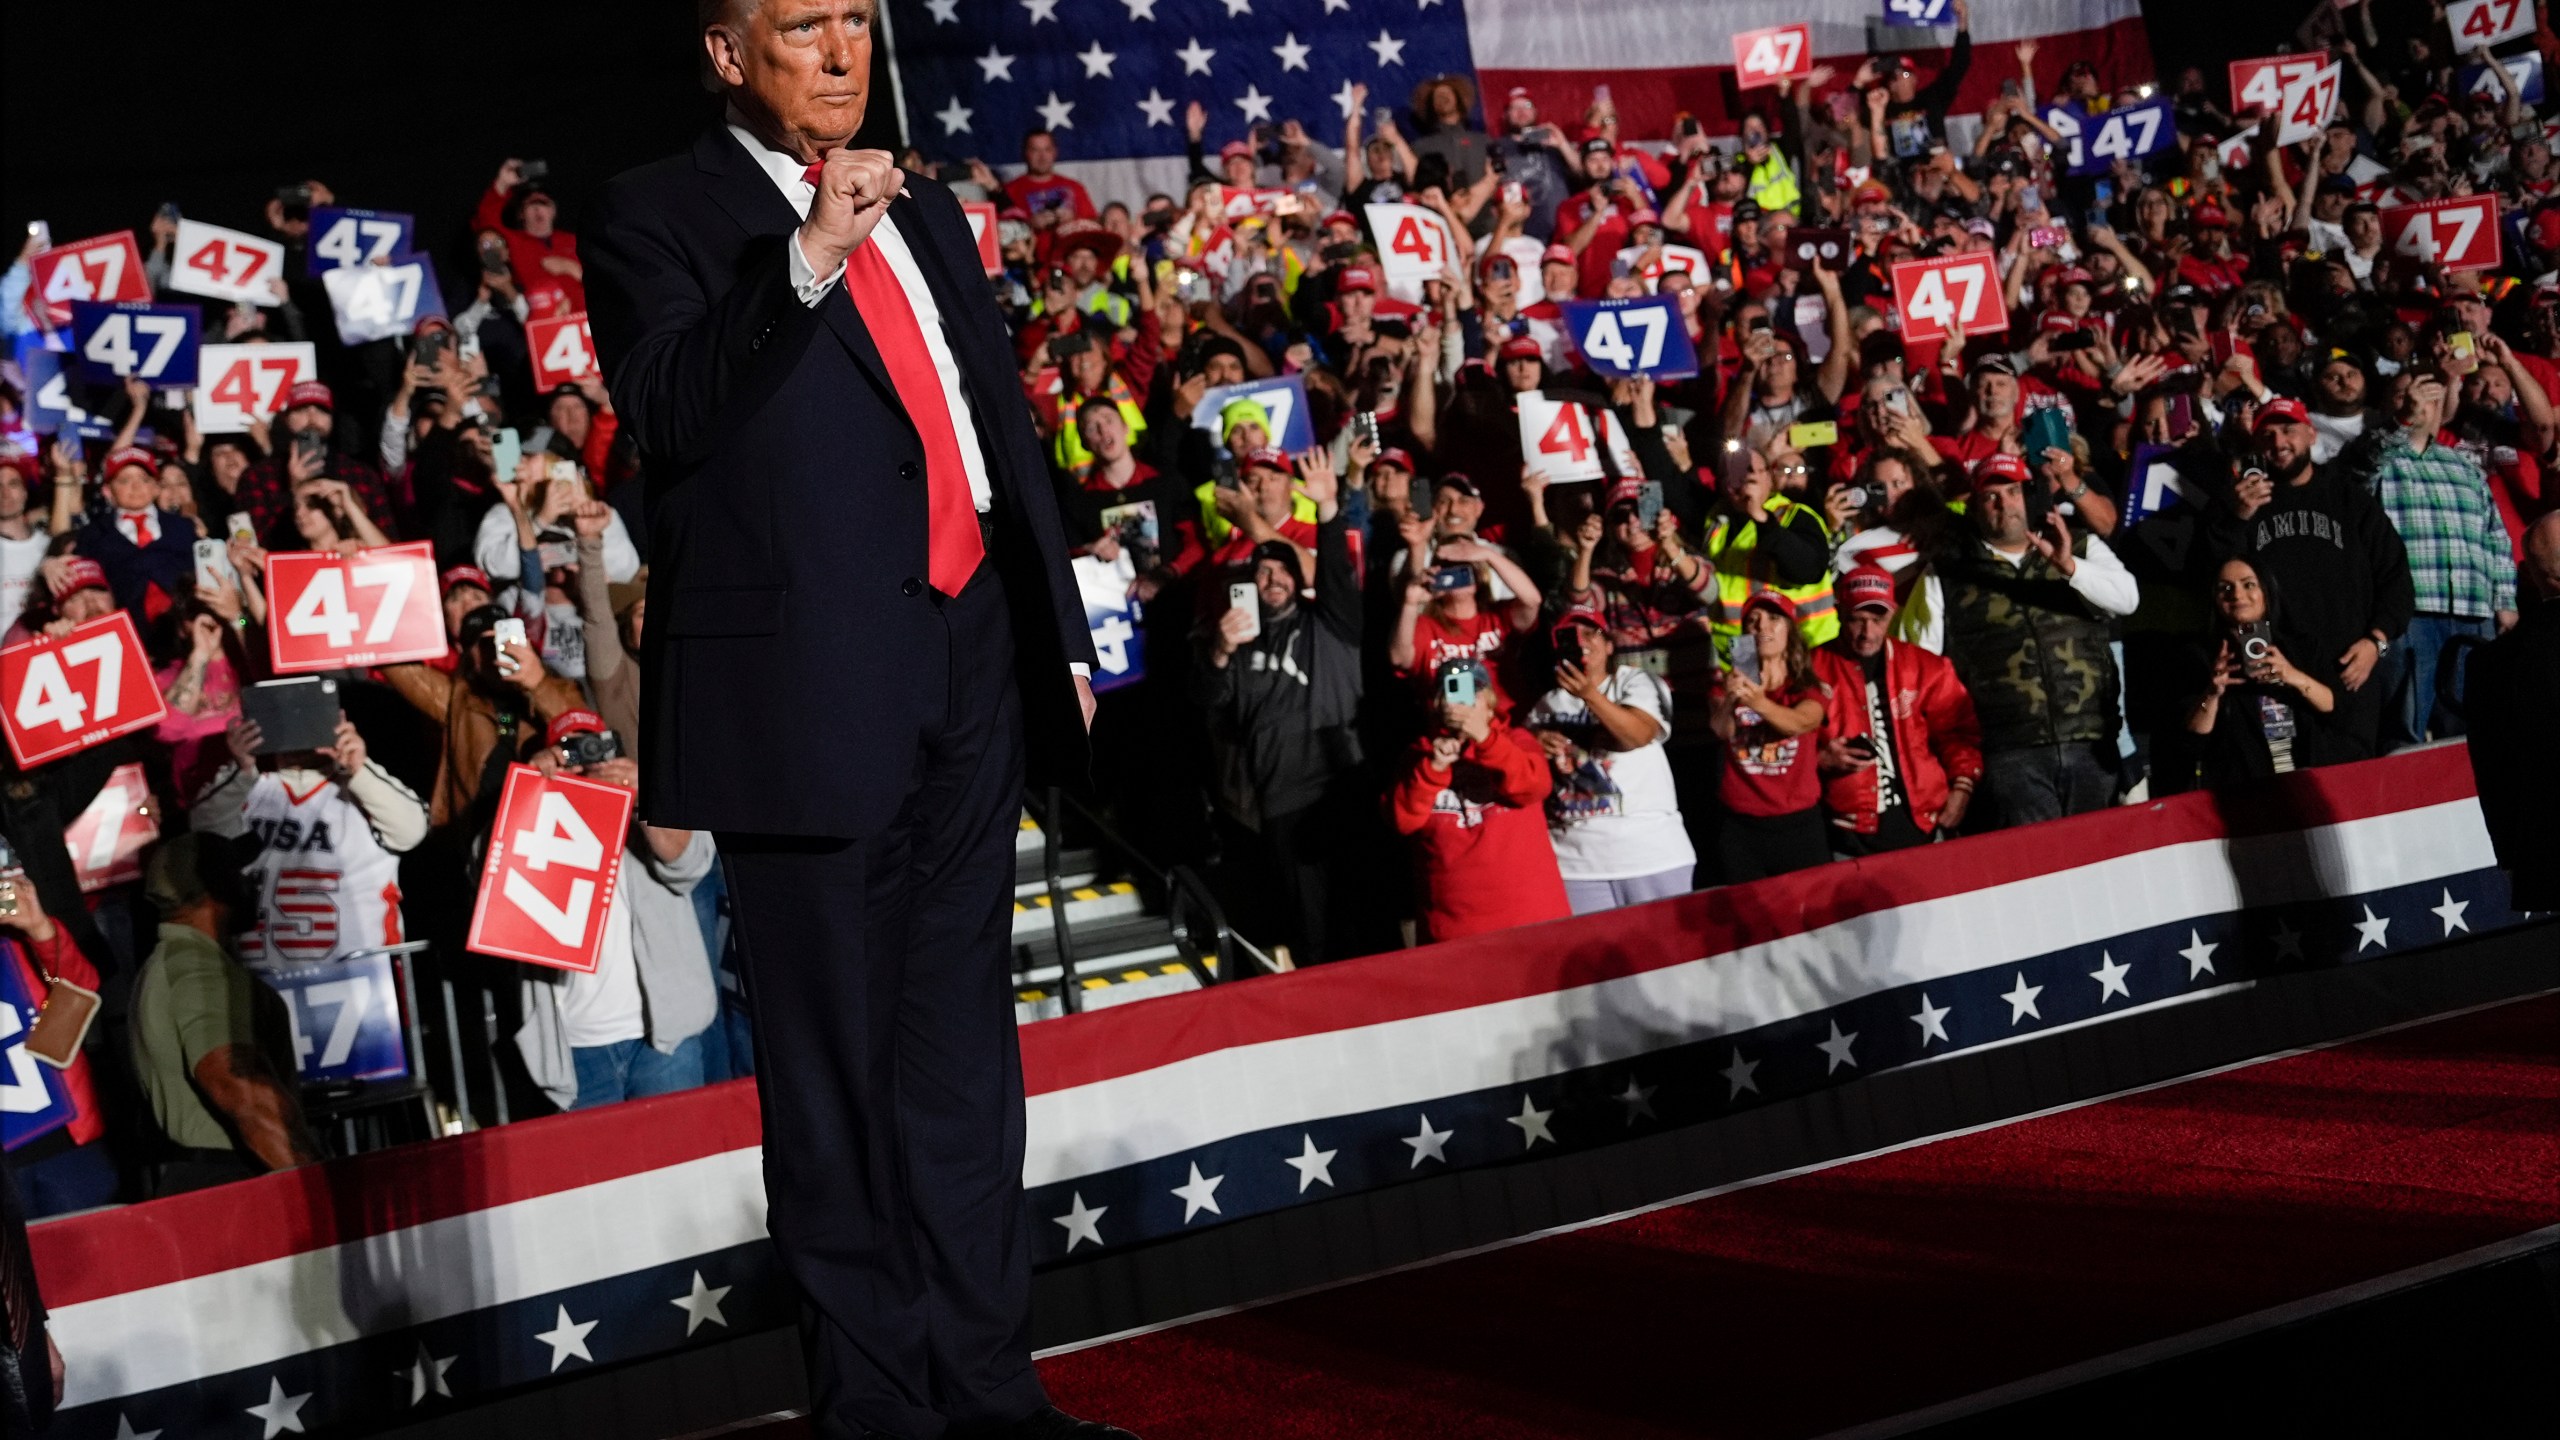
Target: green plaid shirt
column 2460, row 559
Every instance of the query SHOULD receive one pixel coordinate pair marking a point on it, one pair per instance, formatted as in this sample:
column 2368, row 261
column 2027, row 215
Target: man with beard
column 2331, row 551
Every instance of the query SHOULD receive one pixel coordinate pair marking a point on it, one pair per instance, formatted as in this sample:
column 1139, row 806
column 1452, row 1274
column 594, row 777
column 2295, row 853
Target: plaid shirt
column 2460, row 559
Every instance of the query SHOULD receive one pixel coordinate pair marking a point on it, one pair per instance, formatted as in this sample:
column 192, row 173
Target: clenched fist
column 854, row 191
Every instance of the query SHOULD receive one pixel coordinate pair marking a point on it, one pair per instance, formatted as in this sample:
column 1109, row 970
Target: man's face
column 82, row 606
column 1082, row 265
column 1995, row 398
column 1090, row 369
column 310, row 419
column 1222, row 369
column 1269, row 487
column 2342, row 383
column 2285, row 445
column 2000, row 509
column 1863, row 629
column 1104, row 432
column 1520, row 114
column 1247, row 437
column 1039, row 152
column 1596, row 163
column 568, row 415
column 1903, row 85
column 1500, row 288
column 1454, row 512
column 800, row 65
column 1238, row 170
column 1276, row 585
column 540, row 213
column 1559, row 277
column 459, row 601
column 13, row 493
column 2364, row 229
column 133, row 488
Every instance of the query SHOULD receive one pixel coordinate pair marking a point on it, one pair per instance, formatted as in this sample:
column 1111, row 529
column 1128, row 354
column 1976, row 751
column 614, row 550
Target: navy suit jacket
column 786, row 506
column 168, row 562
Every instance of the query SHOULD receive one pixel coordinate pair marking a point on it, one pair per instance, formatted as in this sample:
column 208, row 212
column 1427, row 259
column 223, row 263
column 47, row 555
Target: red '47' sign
column 1949, row 295
column 333, row 613
column 107, row 841
column 564, row 351
column 61, row 696
column 982, row 228
column 104, row 267
column 2260, row 84
column 554, row 856
column 1766, row 57
column 2457, row 233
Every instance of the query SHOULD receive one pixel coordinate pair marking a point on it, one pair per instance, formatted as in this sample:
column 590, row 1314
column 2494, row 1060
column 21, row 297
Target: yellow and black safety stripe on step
column 1081, row 892
column 1104, row 982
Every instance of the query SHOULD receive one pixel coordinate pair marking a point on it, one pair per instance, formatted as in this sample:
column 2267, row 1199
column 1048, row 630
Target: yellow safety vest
column 1773, row 183
column 1733, row 547
column 1068, row 449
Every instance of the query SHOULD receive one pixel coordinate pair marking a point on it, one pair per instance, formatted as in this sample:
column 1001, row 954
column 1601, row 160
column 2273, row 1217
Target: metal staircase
column 1095, row 924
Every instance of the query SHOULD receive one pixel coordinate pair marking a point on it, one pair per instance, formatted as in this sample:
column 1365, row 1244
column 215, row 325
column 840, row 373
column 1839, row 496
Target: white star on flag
column 282, row 1412
column 1313, row 1165
column 1637, row 1098
column 1055, row 113
column 1332, row 5
column 1837, row 1047
column 996, row 64
column 1533, row 1124
column 1426, row 4
column 2288, row 940
column 703, row 1304
column 1738, row 1075
column 1254, row 104
column 125, row 1430
column 1346, row 98
column 567, row 1337
column 1041, row 10
column 1292, row 53
column 2450, row 912
column 2369, row 930
column 1427, row 1144
column 2110, row 977
column 1141, row 9
column 945, row 12
column 1082, row 1224
column 1200, row 1194
column 1157, row 109
column 2022, row 999
column 954, row 117
column 1237, row 7
column 1390, row 50
column 1195, row 57
column 2199, row 955
column 426, row 1377
column 1932, row 1021
column 1097, row 62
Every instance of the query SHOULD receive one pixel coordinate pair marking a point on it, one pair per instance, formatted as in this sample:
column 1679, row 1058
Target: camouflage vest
column 2031, row 651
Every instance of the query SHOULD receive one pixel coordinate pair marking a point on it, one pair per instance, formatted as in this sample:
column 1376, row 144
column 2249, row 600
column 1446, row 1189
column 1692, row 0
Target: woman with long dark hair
column 2268, row 702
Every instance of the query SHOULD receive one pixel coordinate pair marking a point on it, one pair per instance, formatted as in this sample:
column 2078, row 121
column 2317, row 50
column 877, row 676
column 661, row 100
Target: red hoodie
column 1480, row 836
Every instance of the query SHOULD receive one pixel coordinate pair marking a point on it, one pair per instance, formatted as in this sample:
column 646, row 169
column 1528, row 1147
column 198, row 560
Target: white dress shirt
column 787, row 171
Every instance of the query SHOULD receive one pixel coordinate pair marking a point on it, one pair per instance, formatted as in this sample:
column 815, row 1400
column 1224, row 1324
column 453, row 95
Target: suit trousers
column 888, row 1068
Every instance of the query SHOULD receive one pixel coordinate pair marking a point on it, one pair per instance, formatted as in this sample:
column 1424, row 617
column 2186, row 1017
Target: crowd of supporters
column 1853, row 595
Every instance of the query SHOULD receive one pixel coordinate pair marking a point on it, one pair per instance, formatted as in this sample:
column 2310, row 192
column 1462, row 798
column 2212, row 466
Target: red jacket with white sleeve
column 1939, row 740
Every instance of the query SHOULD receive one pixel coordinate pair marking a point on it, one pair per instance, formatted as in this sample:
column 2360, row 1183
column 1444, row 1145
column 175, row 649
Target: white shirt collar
column 785, row 169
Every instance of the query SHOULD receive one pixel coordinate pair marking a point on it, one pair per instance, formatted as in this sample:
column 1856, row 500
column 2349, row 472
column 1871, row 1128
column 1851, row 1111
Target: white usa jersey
column 325, row 885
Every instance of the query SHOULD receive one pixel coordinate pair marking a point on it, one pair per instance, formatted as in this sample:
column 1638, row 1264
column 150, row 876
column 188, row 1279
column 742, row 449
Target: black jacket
column 2514, row 697
column 1284, row 710
column 786, row 505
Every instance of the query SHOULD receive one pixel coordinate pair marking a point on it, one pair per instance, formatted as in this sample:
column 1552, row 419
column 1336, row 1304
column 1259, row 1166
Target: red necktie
column 139, row 521
column 953, row 546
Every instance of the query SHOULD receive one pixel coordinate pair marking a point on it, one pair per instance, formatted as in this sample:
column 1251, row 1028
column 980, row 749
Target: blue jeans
column 1592, row 896
column 80, row 1178
column 2408, row 679
column 631, row 1070
column 2046, row 782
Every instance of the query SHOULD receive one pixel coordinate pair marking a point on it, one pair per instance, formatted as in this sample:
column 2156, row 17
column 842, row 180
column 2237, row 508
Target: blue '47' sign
column 346, row 1017
column 2094, row 143
column 34, row 1099
column 1625, row 338
column 1916, row 12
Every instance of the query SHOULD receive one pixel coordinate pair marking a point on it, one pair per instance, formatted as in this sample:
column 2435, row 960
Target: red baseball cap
column 79, row 573
column 1356, row 277
column 1394, row 455
column 1522, row 347
column 2058, row 321
column 1772, row 600
column 1863, row 588
column 1643, row 215
column 129, row 455
column 19, row 460
column 464, row 575
column 1270, row 456
column 2280, row 411
column 573, row 722
column 1558, row 254
column 2000, row 470
column 310, row 392
column 1234, row 148
column 1340, row 217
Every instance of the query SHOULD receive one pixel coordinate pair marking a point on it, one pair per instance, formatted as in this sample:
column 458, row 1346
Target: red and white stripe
column 1660, row 57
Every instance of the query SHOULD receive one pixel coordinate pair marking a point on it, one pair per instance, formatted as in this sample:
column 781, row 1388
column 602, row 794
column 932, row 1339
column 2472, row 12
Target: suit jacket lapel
column 988, row 381
column 742, row 188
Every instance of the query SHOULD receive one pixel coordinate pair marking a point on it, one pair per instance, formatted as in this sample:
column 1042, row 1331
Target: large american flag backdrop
column 1111, row 77
column 403, row 1284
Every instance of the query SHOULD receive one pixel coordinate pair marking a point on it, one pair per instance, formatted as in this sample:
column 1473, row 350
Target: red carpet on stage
column 1886, row 1284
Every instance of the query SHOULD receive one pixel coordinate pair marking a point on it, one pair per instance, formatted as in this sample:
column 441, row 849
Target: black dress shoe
column 1051, row 1423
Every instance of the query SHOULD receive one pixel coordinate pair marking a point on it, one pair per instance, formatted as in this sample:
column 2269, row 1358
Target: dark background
column 214, row 104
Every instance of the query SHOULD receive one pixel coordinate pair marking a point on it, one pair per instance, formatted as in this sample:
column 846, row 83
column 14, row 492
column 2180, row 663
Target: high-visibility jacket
column 1773, row 183
column 1733, row 548
column 1068, row 448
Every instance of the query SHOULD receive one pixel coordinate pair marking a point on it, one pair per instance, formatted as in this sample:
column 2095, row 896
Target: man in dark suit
column 141, row 546
column 862, row 631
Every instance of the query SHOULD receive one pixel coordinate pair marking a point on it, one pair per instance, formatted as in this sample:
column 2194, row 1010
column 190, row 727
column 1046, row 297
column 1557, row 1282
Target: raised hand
column 854, row 191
